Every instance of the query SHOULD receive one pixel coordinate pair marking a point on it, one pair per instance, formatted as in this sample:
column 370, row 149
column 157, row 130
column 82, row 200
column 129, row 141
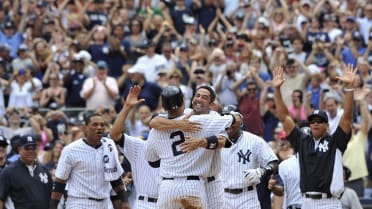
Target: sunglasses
column 251, row 89
column 319, row 121
column 174, row 76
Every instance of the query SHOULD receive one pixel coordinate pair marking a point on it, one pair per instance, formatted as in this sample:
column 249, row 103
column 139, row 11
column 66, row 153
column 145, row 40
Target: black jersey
column 26, row 191
column 319, row 160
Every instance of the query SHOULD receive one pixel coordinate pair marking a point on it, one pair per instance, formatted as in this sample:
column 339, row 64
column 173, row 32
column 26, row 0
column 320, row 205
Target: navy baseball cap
column 3, row 141
column 28, row 142
column 318, row 114
column 102, row 64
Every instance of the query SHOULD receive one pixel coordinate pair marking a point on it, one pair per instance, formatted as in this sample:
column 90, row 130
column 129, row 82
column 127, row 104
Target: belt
column 211, row 178
column 238, row 191
column 95, row 199
column 318, row 195
column 188, row 178
column 295, row 206
column 149, row 199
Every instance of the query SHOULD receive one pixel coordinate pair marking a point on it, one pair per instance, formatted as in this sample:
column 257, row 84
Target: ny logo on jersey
column 29, row 139
column 43, row 177
column 323, row 147
column 244, row 156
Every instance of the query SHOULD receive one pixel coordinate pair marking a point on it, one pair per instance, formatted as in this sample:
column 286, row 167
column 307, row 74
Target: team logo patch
column 110, row 147
column 323, row 147
column 43, row 177
column 244, row 157
column 105, row 159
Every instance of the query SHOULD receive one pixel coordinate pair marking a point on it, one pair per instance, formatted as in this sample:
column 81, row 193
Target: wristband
column 58, row 187
column 212, row 142
column 348, row 89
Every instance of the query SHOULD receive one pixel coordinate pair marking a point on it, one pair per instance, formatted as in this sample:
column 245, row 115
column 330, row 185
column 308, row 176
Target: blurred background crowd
column 62, row 58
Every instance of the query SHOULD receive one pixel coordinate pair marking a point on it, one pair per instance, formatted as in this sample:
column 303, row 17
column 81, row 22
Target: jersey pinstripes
column 250, row 151
column 82, row 166
column 145, row 178
column 289, row 172
column 165, row 145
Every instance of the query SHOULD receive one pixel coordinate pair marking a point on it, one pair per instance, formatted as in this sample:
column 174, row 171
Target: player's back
column 165, row 145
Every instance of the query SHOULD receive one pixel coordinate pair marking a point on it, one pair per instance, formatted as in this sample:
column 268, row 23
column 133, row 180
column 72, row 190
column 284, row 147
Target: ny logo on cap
column 316, row 111
column 29, row 139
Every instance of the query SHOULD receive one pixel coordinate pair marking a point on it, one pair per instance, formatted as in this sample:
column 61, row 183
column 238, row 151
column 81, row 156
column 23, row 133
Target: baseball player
column 82, row 166
column 202, row 102
column 145, row 178
column 183, row 174
column 249, row 154
column 320, row 154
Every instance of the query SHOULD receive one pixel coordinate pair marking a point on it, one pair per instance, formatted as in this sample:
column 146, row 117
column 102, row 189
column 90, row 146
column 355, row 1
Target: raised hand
column 132, row 98
column 348, row 75
column 278, row 77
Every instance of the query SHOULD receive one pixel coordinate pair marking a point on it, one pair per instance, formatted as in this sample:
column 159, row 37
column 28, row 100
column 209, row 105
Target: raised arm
column 281, row 108
column 347, row 79
column 131, row 101
column 366, row 117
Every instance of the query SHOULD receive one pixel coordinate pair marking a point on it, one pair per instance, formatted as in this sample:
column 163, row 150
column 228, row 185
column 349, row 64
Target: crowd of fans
column 61, row 54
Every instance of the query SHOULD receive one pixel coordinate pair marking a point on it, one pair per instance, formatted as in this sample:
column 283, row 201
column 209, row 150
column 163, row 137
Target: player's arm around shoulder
column 164, row 124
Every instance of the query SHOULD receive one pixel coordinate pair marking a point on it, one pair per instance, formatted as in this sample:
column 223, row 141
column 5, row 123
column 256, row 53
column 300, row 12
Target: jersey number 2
column 178, row 142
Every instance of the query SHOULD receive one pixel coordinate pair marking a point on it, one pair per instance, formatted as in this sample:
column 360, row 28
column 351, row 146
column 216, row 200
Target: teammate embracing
column 184, row 175
column 202, row 102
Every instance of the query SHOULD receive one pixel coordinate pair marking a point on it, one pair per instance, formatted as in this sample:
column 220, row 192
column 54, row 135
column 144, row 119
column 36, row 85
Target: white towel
column 112, row 167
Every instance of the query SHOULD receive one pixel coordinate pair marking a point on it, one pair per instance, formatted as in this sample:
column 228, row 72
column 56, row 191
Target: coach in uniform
column 82, row 166
column 27, row 183
column 320, row 154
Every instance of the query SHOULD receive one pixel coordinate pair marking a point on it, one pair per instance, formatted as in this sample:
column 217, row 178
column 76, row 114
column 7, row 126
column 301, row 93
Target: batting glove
column 253, row 175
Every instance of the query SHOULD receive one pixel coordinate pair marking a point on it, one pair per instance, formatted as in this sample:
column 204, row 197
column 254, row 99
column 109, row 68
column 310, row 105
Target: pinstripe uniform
column 145, row 178
column 249, row 152
column 289, row 172
column 82, row 166
column 175, row 164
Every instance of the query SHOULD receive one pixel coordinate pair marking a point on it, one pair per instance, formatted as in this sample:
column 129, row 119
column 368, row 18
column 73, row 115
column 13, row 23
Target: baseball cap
column 4, row 47
column 350, row 19
column 263, row 21
column 137, row 68
column 9, row 24
column 306, row 2
column 28, row 141
column 147, row 44
column 356, row 35
column 239, row 15
column 3, row 141
column 318, row 114
column 329, row 17
column 22, row 47
column 101, row 64
column 184, row 47
column 22, row 71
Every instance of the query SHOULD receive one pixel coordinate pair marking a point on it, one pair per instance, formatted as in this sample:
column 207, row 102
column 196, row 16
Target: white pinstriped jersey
column 82, row 166
column 145, row 178
column 165, row 145
column 250, row 151
column 289, row 172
